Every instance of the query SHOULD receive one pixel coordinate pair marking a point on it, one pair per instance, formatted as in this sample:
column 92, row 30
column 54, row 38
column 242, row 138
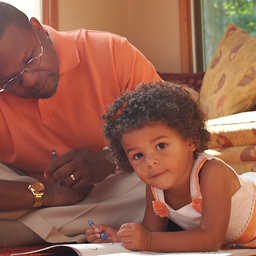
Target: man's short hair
column 10, row 15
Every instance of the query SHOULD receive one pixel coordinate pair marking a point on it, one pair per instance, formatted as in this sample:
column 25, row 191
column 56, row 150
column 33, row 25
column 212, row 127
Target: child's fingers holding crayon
column 101, row 233
column 97, row 230
column 93, row 237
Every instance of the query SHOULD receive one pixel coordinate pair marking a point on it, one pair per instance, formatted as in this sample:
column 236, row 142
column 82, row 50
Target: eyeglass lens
column 30, row 66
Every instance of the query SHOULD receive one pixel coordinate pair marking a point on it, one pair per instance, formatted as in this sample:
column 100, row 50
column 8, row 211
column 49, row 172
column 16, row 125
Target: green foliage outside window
column 217, row 14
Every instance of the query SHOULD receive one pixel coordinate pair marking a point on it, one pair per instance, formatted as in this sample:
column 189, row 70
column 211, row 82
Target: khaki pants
column 118, row 199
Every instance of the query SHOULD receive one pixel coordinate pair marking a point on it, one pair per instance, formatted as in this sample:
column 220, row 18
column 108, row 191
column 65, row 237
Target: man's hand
column 54, row 195
column 80, row 167
column 135, row 237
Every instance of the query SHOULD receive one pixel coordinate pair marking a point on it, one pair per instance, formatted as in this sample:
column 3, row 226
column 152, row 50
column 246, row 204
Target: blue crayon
column 55, row 156
column 235, row 246
column 246, row 245
column 94, row 227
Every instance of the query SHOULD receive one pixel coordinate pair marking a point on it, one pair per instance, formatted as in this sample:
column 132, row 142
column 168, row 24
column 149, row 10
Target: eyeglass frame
column 18, row 77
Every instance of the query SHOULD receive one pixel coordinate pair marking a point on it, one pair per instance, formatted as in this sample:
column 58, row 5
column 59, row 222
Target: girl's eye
column 138, row 156
column 161, row 146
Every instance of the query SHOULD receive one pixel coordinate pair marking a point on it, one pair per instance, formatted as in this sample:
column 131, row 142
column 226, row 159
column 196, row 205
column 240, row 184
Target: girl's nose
column 152, row 160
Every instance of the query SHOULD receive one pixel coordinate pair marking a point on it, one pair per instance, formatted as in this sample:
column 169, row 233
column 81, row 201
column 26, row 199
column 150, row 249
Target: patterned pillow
column 229, row 84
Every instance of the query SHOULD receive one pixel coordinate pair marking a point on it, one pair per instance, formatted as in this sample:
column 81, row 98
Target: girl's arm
column 136, row 236
column 218, row 183
column 151, row 221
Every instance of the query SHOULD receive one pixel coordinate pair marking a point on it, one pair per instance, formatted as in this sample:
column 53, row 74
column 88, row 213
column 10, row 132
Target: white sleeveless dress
column 242, row 224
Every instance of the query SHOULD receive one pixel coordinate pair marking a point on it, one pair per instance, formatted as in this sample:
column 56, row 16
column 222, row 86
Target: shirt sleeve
column 133, row 67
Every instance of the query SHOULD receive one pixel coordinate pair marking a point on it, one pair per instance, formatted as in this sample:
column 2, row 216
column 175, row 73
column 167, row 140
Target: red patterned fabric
column 192, row 80
column 9, row 251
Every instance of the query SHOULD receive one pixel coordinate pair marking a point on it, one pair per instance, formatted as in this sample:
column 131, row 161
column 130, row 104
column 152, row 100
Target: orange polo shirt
column 95, row 67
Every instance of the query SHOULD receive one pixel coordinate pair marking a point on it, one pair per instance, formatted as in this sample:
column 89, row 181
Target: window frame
column 188, row 65
column 191, row 51
column 186, row 53
column 50, row 17
column 50, row 13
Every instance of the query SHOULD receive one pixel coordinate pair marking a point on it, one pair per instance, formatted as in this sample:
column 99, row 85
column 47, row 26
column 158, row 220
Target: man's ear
column 37, row 25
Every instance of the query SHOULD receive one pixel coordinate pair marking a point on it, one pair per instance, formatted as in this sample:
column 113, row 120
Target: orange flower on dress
column 160, row 209
column 197, row 204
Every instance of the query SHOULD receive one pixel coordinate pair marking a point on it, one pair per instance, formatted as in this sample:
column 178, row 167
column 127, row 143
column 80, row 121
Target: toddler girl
column 159, row 132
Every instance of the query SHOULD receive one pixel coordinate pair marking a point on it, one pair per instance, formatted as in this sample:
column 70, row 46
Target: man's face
column 17, row 47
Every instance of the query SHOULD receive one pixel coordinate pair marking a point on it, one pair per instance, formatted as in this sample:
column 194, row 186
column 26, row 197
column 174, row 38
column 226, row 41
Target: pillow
column 229, row 84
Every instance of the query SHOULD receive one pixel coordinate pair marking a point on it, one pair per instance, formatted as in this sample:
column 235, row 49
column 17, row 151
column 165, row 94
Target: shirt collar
column 65, row 48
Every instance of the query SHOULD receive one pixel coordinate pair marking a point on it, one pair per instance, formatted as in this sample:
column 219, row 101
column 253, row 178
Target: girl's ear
column 191, row 145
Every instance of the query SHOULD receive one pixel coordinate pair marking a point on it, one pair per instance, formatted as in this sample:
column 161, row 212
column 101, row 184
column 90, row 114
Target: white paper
column 118, row 249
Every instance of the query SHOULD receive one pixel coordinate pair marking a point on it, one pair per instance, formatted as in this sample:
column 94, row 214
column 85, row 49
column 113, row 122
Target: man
column 54, row 86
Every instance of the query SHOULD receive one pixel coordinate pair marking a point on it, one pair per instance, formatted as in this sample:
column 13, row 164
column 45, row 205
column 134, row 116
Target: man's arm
column 16, row 195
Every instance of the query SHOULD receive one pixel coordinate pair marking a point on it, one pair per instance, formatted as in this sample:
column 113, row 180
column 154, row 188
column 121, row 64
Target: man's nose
column 28, row 78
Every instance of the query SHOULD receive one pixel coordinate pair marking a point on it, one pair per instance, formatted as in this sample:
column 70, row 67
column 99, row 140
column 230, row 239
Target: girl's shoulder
column 215, row 170
column 209, row 164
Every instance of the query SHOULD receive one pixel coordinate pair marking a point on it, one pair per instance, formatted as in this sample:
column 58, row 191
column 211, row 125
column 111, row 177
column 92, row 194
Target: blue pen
column 55, row 156
column 94, row 227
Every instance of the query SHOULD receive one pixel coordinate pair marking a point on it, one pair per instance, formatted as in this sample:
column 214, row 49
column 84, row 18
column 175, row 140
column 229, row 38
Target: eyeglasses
column 30, row 66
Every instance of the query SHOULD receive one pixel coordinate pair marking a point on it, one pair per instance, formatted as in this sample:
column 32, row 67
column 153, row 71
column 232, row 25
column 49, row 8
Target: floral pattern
column 197, row 204
column 160, row 209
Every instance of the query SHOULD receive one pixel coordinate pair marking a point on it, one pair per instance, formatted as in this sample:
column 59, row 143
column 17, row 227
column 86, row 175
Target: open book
column 117, row 249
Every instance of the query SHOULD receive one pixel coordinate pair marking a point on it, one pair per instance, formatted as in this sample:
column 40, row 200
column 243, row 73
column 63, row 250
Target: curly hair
column 151, row 102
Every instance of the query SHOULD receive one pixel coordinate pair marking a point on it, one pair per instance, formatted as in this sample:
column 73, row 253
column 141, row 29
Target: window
column 202, row 25
column 215, row 17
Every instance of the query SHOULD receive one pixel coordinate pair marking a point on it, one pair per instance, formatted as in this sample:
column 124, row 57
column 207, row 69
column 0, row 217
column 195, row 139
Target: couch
column 233, row 137
column 227, row 94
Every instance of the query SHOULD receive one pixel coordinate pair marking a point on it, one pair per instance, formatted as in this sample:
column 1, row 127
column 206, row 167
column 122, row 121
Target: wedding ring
column 72, row 177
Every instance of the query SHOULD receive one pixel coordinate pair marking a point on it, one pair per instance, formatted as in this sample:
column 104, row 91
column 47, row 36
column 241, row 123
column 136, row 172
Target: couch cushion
column 235, row 154
column 233, row 139
column 229, row 84
column 234, row 130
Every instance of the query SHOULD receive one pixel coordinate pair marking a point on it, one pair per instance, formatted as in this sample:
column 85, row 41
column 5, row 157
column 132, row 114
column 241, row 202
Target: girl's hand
column 135, row 237
column 93, row 235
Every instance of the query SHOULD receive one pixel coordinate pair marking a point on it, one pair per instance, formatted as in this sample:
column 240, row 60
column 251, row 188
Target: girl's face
column 159, row 155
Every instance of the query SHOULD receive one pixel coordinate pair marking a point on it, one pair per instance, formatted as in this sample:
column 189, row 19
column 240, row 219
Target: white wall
column 151, row 25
